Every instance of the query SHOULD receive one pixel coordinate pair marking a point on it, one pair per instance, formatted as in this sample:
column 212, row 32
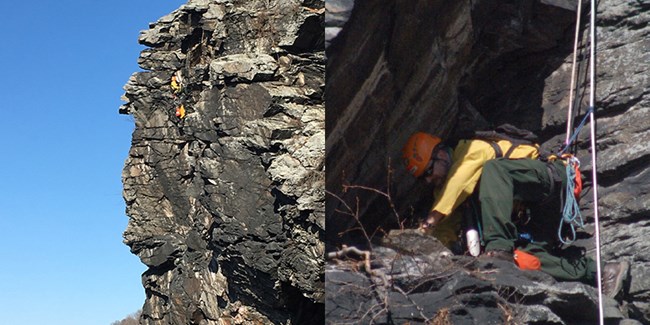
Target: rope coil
column 571, row 215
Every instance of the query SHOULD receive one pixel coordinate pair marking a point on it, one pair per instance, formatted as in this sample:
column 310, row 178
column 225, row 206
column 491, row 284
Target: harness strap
column 512, row 148
column 497, row 149
column 554, row 178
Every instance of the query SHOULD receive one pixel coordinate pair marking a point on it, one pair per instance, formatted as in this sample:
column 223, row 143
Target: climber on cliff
column 503, row 181
column 540, row 184
column 455, row 174
column 176, row 83
column 180, row 111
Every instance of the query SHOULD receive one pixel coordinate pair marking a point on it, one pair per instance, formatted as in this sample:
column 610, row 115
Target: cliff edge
column 224, row 182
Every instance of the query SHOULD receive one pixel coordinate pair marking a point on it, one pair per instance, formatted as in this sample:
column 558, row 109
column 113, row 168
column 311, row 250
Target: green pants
column 529, row 181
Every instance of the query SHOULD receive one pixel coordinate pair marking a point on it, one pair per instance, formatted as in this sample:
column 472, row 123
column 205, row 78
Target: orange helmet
column 417, row 152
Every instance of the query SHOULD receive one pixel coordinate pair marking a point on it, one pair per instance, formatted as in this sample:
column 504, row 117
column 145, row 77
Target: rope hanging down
column 592, row 123
column 573, row 88
column 576, row 131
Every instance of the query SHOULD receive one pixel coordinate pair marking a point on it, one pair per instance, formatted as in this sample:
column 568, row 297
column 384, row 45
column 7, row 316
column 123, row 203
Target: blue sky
column 62, row 260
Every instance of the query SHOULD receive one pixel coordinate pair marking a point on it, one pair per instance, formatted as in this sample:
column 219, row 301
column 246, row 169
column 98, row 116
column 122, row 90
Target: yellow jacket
column 468, row 159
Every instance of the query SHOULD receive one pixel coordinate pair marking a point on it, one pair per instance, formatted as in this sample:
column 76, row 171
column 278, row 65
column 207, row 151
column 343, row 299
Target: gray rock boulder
column 405, row 284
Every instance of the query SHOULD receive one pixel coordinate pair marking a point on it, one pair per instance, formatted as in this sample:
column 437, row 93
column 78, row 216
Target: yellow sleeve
column 468, row 160
column 521, row 151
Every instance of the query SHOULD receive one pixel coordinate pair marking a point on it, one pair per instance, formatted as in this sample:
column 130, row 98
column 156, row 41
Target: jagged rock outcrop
column 226, row 203
column 444, row 66
column 413, row 282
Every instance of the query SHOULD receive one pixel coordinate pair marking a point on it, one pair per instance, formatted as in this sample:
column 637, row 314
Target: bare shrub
column 132, row 319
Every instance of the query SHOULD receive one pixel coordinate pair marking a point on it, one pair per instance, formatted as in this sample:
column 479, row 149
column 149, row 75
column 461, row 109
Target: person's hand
column 433, row 218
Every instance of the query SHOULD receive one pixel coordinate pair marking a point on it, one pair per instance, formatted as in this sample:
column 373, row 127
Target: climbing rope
column 573, row 74
column 570, row 141
column 570, row 207
column 571, row 213
column 592, row 91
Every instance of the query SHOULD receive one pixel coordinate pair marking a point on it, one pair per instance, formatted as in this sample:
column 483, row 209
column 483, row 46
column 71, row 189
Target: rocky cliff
column 445, row 66
column 224, row 182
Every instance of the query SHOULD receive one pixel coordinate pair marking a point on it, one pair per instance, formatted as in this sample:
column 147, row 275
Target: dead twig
column 353, row 213
column 348, row 251
column 420, row 310
column 386, row 194
column 441, row 318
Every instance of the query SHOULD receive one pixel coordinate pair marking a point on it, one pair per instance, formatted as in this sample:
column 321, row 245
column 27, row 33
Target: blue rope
column 571, row 213
column 576, row 131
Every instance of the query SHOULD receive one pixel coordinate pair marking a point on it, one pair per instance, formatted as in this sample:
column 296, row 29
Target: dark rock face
column 226, row 204
column 446, row 66
column 412, row 287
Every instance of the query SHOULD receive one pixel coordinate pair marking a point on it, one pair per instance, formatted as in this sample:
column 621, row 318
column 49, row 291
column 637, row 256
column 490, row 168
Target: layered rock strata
column 225, row 196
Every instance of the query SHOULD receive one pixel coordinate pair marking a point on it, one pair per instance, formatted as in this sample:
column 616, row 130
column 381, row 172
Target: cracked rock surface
column 226, row 202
